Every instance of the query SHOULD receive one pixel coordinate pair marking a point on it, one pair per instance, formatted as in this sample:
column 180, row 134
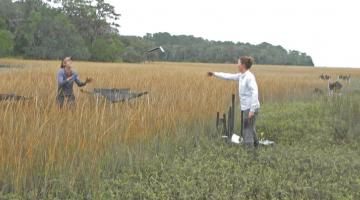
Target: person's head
column 245, row 63
column 66, row 64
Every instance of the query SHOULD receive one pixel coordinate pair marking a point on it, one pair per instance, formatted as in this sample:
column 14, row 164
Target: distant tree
column 87, row 29
column 6, row 39
column 49, row 35
column 2, row 23
column 107, row 49
column 93, row 18
column 194, row 49
column 132, row 56
column 135, row 48
column 96, row 21
column 6, row 43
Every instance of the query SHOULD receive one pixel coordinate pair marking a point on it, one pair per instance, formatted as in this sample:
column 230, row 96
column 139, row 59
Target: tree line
column 195, row 49
column 88, row 30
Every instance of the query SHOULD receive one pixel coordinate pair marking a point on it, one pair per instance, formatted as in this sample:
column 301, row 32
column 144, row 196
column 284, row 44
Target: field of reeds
column 164, row 145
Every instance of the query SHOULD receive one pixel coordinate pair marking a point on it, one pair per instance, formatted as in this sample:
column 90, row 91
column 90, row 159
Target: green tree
column 6, row 43
column 96, row 21
column 194, row 49
column 87, row 29
column 107, row 49
column 132, row 56
column 2, row 23
column 50, row 35
column 93, row 18
column 135, row 48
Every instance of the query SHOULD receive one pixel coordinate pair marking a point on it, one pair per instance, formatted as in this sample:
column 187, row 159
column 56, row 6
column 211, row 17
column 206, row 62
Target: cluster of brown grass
column 39, row 141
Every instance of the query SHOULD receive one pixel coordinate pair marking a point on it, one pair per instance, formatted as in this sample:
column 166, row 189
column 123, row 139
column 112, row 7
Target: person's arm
column 61, row 80
column 78, row 82
column 254, row 94
column 225, row 76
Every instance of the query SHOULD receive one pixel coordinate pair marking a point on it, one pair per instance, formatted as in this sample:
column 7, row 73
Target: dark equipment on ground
column 12, row 97
column 10, row 66
column 115, row 95
column 4, row 66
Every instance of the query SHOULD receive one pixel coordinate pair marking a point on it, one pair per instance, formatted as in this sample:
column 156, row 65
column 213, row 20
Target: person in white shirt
column 249, row 101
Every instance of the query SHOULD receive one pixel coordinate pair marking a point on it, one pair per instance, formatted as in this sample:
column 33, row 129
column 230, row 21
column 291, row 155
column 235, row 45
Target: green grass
column 316, row 157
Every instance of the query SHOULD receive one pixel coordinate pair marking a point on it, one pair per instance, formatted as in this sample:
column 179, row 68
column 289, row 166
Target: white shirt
column 248, row 89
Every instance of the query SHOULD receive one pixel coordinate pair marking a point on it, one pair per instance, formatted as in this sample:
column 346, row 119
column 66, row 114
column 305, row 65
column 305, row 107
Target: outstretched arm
column 225, row 76
column 80, row 83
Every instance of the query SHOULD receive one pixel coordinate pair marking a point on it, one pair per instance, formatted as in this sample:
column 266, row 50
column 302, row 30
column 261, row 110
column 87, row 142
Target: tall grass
column 43, row 147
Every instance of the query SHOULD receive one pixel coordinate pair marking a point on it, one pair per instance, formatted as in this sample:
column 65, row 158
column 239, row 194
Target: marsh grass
column 46, row 152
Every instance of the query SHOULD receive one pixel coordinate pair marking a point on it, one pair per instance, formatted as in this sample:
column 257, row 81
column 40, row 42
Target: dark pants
column 68, row 99
column 248, row 128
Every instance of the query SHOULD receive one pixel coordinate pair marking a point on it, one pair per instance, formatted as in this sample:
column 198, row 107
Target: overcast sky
column 328, row 30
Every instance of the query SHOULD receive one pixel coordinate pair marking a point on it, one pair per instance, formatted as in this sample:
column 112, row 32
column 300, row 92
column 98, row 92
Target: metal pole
column 224, row 118
column 233, row 111
column 229, row 123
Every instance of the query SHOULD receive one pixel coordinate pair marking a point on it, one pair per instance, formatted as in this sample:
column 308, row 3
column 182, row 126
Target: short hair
column 247, row 61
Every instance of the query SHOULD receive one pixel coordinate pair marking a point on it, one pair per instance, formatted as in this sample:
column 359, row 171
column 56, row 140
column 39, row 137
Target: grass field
column 164, row 146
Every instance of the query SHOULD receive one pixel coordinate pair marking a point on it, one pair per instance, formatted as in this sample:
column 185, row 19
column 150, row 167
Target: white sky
column 328, row 30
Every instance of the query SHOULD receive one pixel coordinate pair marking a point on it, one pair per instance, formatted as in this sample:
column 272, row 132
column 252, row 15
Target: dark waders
column 67, row 99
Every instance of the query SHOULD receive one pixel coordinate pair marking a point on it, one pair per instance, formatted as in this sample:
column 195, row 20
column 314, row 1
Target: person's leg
column 256, row 141
column 71, row 100
column 242, row 124
column 248, row 134
column 60, row 100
